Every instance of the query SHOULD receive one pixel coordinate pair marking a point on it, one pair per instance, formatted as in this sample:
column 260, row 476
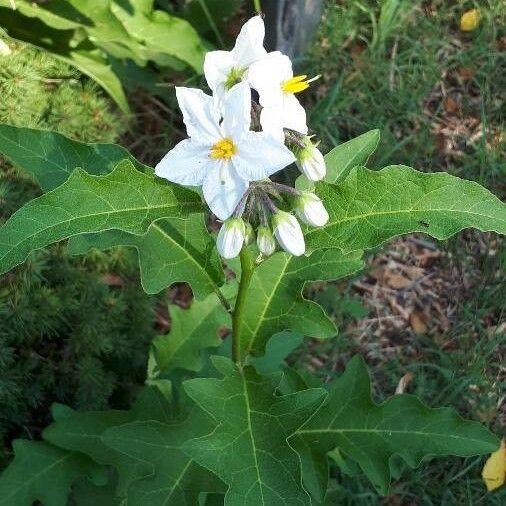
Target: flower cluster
column 236, row 142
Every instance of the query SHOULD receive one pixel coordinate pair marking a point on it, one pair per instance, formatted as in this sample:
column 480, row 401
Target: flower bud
column 249, row 234
column 231, row 238
column 288, row 233
column 311, row 162
column 310, row 210
column 265, row 241
column 5, row 50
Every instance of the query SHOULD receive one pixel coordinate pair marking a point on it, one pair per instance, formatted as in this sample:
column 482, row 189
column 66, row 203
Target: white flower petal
column 217, row 66
column 294, row 115
column 200, row 114
column 237, row 111
column 267, row 76
column 249, row 46
column 271, row 119
column 223, row 189
column 188, row 163
column 260, row 155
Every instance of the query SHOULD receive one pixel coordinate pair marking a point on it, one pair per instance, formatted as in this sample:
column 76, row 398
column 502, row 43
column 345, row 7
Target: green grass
column 388, row 68
column 395, row 66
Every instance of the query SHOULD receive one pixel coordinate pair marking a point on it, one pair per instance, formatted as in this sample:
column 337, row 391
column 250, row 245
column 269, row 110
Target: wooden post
column 291, row 24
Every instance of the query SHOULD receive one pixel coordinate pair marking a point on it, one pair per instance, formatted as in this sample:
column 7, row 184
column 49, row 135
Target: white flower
column 5, row 50
column 265, row 241
column 224, row 69
column 288, row 233
column 273, row 79
column 310, row 161
column 231, row 238
column 310, row 209
column 222, row 156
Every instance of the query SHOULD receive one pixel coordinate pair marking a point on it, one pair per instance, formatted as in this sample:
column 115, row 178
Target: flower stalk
column 247, row 269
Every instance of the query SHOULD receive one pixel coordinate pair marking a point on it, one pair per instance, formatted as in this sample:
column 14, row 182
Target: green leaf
column 160, row 33
column 370, row 207
column 45, row 473
column 275, row 302
column 85, row 493
column 125, row 199
column 177, row 478
column 277, row 350
column 192, row 330
column 95, row 66
column 344, row 157
column 104, row 28
column 51, row 157
column 354, row 152
column 248, row 449
column 82, row 431
column 171, row 250
column 373, row 434
column 61, row 18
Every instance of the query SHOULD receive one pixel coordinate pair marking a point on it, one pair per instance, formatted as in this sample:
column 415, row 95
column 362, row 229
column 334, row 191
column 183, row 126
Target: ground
column 427, row 316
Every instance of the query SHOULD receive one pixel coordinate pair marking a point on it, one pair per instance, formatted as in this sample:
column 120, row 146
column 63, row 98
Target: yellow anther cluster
column 296, row 84
column 223, row 150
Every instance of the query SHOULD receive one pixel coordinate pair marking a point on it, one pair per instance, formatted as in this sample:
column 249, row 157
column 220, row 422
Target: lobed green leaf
column 275, row 302
column 45, row 473
column 373, row 434
column 51, row 157
column 370, row 207
column 125, row 199
column 248, row 449
column 82, row 432
column 172, row 250
column 192, row 331
column 177, row 478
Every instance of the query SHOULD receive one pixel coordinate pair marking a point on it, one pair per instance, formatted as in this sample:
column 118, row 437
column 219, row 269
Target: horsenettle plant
column 227, row 421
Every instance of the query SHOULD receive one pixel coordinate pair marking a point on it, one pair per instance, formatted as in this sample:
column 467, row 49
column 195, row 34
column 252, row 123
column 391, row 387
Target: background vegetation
column 428, row 317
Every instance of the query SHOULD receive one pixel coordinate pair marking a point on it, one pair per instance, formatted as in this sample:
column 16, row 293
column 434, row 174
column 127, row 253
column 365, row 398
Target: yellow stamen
column 223, row 150
column 297, row 84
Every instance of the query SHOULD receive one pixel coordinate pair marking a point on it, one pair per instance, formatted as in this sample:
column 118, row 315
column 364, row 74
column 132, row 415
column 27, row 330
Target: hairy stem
column 247, row 268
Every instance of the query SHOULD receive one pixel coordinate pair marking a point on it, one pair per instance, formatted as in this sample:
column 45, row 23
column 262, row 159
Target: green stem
column 247, row 268
column 211, row 22
column 257, row 5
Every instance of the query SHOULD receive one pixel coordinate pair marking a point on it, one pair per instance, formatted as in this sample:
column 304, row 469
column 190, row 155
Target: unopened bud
column 249, row 234
column 288, row 233
column 231, row 238
column 311, row 162
column 310, row 210
column 265, row 241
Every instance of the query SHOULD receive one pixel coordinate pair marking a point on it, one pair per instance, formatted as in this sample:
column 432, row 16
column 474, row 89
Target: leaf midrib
column 199, row 266
column 35, row 476
column 387, row 431
column 401, row 211
column 252, row 438
column 83, row 217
